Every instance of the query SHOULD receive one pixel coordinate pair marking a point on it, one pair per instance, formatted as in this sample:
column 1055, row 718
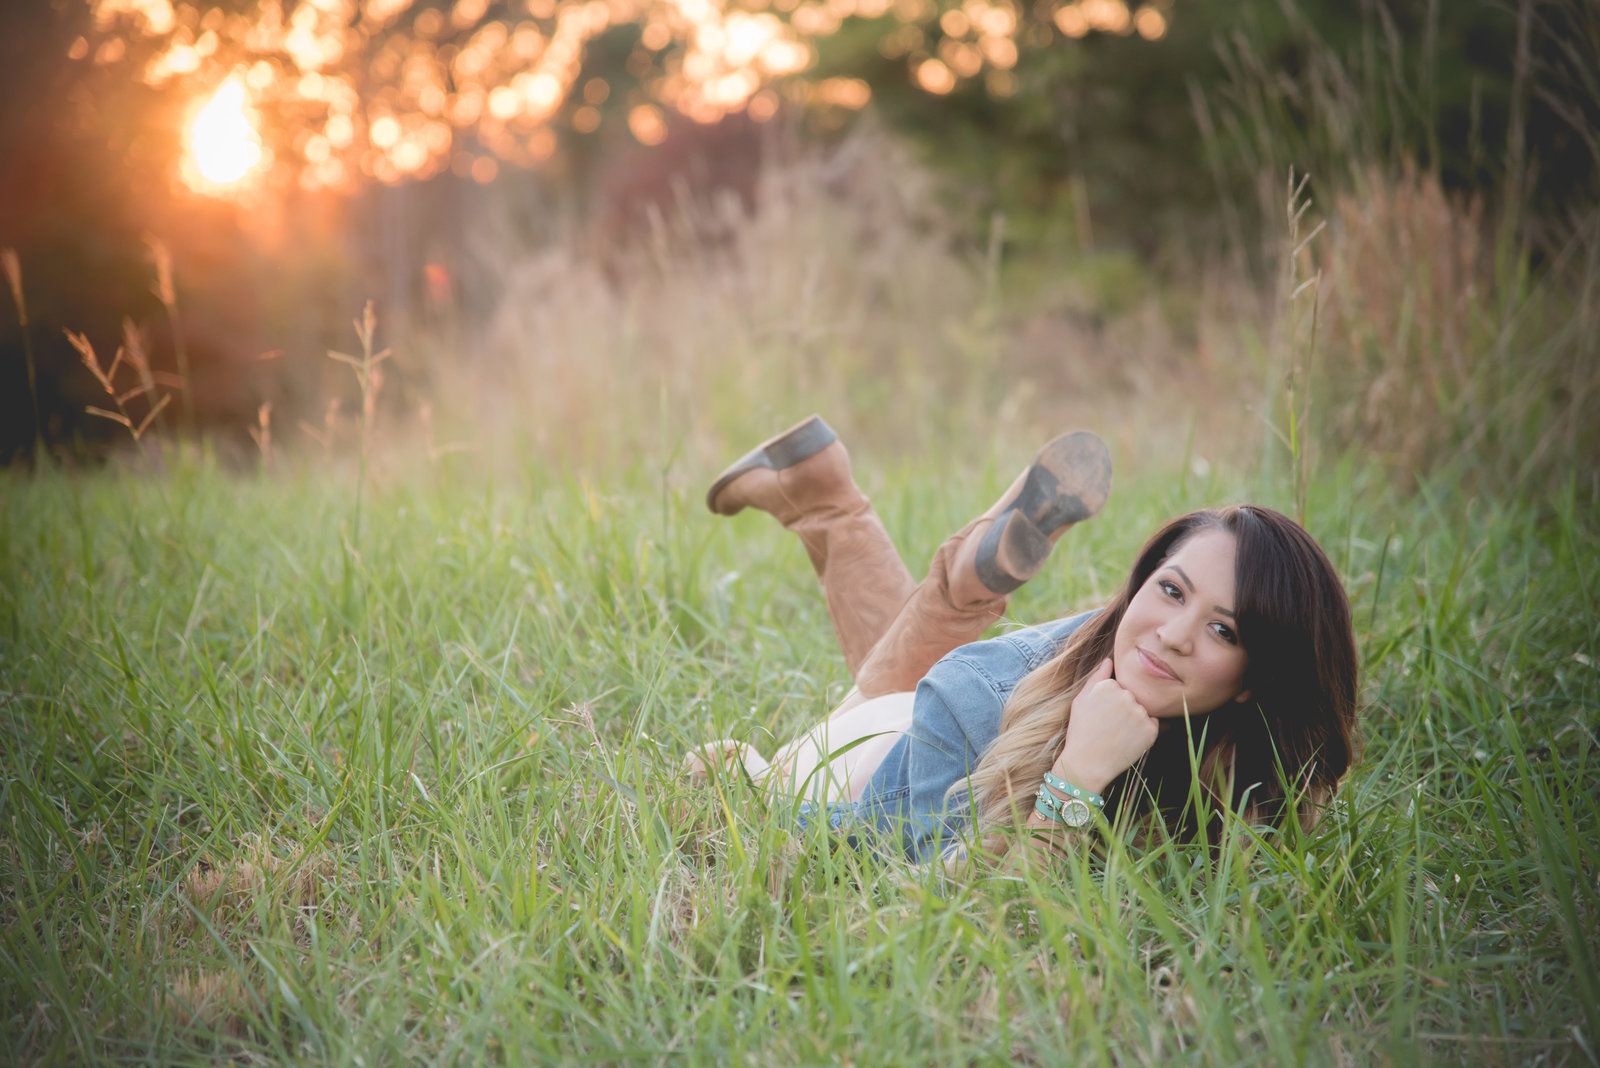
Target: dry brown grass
column 229, row 890
column 1442, row 347
column 212, row 1000
column 231, row 895
column 848, row 291
column 1405, row 270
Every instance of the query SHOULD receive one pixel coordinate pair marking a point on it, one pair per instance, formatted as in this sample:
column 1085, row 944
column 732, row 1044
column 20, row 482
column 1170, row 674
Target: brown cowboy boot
column 802, row 478
column 974, row 572
column 1068, row 482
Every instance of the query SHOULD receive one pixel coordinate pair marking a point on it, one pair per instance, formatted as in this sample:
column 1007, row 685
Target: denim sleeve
column 954, row 721
column 956, row 717
column 903, row 809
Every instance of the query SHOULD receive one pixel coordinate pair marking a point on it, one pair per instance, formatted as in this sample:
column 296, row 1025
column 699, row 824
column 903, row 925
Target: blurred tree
column 332, row 93
column 76, row 155
column 1104, row 134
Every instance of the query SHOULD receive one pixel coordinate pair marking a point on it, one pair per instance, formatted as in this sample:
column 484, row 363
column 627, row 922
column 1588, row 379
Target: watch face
column 1075, row 813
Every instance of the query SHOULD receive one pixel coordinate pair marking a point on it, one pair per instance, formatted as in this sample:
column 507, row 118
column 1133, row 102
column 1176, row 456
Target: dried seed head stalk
column 133, row 342
column 105, row 377
column 92, row 362
column 162, row 258
column 369, row 377
column 369, row 397
column 583, row 716
column 262, row 431
column 13, row 269
column 167, row 293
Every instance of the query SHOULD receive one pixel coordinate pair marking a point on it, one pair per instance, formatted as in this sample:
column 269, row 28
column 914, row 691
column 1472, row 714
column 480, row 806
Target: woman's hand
column 1107, row 731
column 721, row 757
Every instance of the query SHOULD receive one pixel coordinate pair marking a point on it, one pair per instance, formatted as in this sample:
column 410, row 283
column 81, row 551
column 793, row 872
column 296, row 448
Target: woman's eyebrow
column 1187, row 581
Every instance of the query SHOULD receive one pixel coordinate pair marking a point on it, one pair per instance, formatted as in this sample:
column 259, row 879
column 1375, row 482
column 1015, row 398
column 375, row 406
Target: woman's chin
column 1132, row 677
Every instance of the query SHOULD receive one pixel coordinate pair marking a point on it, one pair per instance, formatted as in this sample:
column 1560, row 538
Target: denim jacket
column 955, row 717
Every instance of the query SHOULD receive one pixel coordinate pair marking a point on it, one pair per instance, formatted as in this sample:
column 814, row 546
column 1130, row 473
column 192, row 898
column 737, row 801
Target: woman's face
column 1178, row 644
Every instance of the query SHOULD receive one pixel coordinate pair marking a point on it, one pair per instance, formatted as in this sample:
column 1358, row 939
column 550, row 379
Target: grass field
column 286, row 784
column 370, row 756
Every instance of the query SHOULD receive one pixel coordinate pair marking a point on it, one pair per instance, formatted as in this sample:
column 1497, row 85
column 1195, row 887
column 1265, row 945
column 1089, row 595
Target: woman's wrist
column 1085, row 780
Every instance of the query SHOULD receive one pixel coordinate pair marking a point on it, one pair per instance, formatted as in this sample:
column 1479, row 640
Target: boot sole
column 800, row 442
column 1068, row 482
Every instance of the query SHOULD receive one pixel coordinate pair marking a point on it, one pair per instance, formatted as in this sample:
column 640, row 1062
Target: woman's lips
column 1156, row 666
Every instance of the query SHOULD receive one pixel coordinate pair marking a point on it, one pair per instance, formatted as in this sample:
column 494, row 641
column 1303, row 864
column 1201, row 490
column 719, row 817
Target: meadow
column 370, row 754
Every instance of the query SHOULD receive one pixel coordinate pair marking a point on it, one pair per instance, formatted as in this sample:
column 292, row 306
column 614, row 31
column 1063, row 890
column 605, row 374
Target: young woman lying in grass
column 1233, row 630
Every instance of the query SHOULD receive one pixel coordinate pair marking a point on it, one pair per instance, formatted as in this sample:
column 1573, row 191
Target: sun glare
column 223, row 145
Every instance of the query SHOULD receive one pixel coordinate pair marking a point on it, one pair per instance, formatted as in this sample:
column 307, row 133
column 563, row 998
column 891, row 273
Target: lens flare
column 223, row 144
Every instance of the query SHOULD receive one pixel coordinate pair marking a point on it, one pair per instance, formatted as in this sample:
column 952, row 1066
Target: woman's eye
column 1171, row 590
column 1225, row 634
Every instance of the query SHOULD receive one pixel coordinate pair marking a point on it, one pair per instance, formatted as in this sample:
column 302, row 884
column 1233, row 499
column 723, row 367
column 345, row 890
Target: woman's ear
column 1244, row 695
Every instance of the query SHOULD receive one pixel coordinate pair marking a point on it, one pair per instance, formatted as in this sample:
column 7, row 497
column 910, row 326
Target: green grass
column 273, row 794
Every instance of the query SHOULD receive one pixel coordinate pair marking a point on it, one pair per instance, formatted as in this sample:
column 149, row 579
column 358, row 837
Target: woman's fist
column 1107, row 731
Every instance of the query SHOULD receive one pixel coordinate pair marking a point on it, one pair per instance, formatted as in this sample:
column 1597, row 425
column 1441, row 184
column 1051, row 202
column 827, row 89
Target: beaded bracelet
column 1061, row 785
column 1046, row 800
column 1073, row 812
column 1047, row 809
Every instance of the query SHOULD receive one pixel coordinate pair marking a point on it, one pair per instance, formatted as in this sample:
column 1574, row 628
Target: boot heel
column 800, row 442
column 1068, row 482
column 1012, row 552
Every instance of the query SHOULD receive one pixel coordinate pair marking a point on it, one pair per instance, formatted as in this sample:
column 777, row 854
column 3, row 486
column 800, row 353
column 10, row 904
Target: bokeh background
column 578, row 222
column 362, row 366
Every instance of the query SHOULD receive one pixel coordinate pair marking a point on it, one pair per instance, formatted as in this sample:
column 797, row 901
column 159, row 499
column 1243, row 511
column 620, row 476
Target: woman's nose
column 1176, row 634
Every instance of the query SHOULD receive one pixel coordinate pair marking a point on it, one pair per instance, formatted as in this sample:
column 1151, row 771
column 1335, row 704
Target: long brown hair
column 1291, row 741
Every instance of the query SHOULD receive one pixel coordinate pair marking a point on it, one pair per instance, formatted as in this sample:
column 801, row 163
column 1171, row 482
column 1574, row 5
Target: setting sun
column 223, row 144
